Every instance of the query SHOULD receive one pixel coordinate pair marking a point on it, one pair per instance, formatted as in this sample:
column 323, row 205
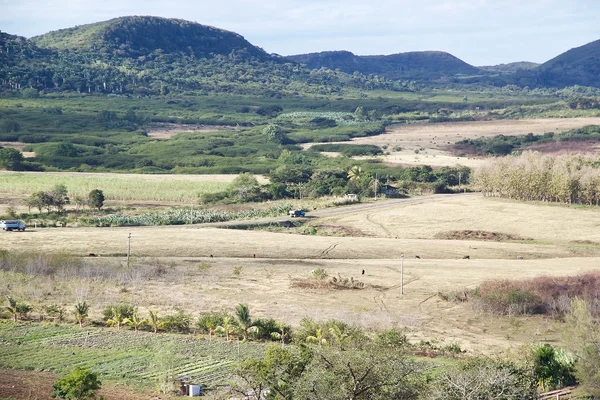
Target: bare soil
column 478, row 235
column 167, row 131
column 31, row 385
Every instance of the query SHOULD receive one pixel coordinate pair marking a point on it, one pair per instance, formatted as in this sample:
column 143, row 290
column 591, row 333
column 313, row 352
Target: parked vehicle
column 297, row 213
column 12, row 225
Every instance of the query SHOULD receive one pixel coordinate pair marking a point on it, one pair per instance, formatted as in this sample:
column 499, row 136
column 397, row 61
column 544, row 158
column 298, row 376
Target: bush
column 179, row 322
column 79, row 384
column 542, row 295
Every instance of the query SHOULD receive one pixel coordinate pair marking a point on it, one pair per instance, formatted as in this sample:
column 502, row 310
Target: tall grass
column 168, row 188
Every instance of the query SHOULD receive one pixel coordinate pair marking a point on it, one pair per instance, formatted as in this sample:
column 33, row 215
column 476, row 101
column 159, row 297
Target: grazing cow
column 419, row 257
column 363, row 271
column 92, row 255
column 466, row 257
column 253, row 255
column 211, row 256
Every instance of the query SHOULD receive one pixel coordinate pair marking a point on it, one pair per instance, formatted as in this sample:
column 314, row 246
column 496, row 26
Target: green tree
column 552, row 369
column 8, row 126
column 583, row 339
column 244, row 187
column 81, row 312
column 11, row 159
column 275, row 133
column 59, row 196
column 40, row 200
column 96, row 199
column 16, row 309
column 355, row 173
column 278, row 371
column 243, row 319
column 209, row 323
column 79, row 384
column 227, row 327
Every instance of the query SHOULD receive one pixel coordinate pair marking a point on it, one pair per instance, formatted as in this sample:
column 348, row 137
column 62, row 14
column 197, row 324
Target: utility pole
column 459, row 176
column 128, row 248
column 376, row 185
column 402, row 274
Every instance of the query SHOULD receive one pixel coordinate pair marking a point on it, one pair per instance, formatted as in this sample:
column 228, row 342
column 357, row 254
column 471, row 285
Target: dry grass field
column 565, row 241
column 431, row 140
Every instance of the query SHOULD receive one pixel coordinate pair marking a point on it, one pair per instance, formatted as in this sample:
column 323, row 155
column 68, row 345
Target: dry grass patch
column 431, row 140
column 478, row 235
column 542, row 222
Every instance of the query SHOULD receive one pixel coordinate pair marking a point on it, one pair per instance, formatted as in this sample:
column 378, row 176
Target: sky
column 480, row 32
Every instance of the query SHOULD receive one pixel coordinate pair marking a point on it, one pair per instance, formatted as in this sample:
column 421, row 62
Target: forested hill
column 150, row 55
column 418, row 65
column 137, row 36
column 510, row 67
column 578, row 66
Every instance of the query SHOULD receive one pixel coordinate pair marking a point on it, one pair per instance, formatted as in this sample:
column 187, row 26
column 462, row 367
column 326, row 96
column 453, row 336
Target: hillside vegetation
column 424, row 65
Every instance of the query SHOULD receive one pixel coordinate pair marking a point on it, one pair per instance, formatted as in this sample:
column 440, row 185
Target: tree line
column 532, row 176
column 57, row 198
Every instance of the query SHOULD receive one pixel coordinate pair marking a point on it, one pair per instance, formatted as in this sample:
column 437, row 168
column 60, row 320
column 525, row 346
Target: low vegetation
column 502, row 145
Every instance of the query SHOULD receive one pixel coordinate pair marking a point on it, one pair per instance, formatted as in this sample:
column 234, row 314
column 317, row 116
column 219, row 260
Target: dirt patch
column 19, row 146
column 588, row 242
column 32, row 385
column 167, row 131
column 572, row 146
column 478, row 235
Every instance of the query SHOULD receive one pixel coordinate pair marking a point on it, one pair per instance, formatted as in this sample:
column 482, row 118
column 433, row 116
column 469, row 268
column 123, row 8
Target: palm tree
column 226, row 327
column 135, row 321
column 81, row 312
column 116, row 318
column 242, row 313
column 155, row 322
column 355, row 173
column 11, row 308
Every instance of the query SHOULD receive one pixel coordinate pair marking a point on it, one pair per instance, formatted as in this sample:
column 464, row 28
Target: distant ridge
column 511, row 67
column 426, row 65
column 578, row 66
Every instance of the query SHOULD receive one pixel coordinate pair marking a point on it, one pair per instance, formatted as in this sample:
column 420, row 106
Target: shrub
column 180, row 322
column 79, row 384
column 116, row 314
column 393, row 338
column 542, row 295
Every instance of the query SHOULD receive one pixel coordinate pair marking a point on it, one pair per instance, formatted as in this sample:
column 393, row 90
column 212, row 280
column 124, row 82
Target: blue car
column 12, row 225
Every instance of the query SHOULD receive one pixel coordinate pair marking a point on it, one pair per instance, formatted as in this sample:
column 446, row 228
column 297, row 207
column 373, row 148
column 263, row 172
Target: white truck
column 12, row 225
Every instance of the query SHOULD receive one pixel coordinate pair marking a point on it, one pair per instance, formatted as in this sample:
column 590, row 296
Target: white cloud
column 479, row 31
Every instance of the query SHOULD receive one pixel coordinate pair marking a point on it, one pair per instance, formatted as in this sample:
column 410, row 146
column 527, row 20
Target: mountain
column 578, row 66
column 510, row 68
column 141, row 55
column 420, row 65
column 137, row 36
